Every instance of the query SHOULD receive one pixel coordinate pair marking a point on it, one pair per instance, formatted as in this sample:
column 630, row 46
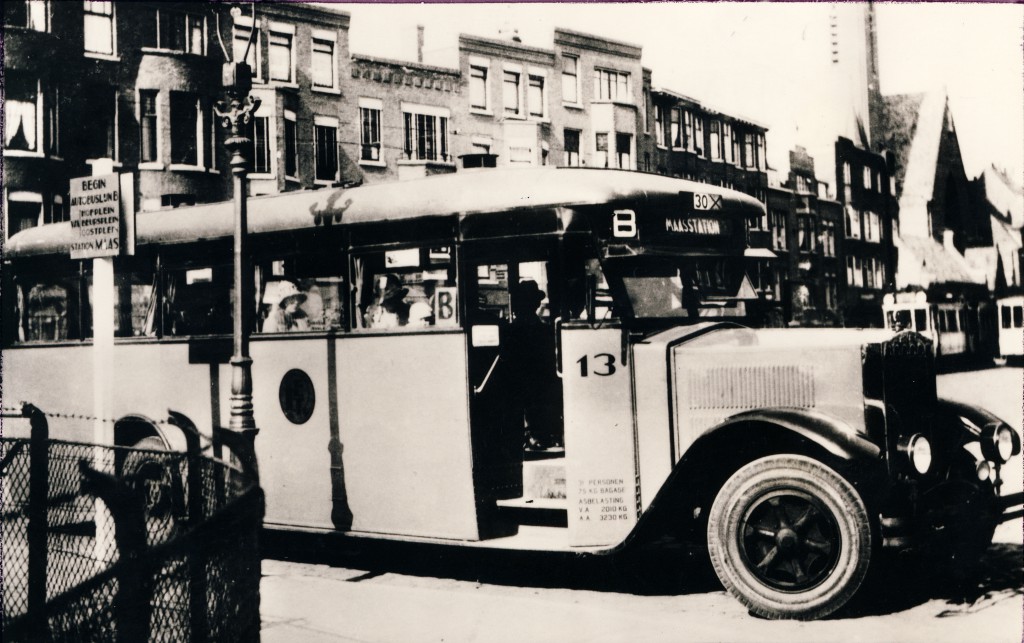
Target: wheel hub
column 790, row 540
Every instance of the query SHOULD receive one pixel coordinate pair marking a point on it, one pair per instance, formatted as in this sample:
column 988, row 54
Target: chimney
column 419, row 43
column 947, row 240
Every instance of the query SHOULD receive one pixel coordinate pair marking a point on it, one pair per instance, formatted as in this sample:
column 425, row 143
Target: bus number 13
column 604, row 365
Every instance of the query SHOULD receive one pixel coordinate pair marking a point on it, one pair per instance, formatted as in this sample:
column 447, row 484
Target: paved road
column 428, row 593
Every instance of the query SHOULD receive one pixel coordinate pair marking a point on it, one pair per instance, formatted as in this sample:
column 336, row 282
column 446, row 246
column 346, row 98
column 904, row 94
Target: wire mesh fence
column 105, row 543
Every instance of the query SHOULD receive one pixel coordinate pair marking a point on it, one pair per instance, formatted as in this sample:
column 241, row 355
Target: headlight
column 999, row 443
column 984, row 470
column 918, row 451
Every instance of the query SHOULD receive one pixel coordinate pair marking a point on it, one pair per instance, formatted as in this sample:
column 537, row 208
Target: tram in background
column 1011, row 327
column 525, row 359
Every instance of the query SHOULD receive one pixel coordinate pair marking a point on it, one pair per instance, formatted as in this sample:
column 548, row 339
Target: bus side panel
column 56, row 379
column 149, row 380
column 404, row 410
column 294, row 456
column 599, row 440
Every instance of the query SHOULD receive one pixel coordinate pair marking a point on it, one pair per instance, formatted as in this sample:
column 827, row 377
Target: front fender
column 975, row 425
column 682, row 503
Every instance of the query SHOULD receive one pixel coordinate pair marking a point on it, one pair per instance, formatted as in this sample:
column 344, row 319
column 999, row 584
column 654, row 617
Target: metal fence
column 107, row 543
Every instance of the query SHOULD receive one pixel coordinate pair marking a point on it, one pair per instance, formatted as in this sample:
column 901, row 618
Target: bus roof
column 461, row 194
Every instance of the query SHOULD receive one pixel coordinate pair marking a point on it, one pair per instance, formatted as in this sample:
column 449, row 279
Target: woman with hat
column 287, row 315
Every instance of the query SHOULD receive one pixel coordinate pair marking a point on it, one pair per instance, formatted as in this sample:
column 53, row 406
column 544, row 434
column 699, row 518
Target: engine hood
column 718, row 371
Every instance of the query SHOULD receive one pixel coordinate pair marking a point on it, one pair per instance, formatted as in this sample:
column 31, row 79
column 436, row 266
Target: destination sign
column 697, row 225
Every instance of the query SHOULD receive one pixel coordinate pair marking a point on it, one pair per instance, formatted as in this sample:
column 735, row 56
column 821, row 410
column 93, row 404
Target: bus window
column 49, row 309
column 407, row 289
column 1018, row 316
column 301, row 293
column 135, row 304
column 921, row 320
column 198, row 301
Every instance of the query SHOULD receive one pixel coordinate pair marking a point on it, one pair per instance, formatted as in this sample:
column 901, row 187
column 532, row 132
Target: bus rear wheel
column 789, row 537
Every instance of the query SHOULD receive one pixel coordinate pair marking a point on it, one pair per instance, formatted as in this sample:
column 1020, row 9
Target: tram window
column 940, row 320
column 198, row 301
column 920, row 320
column 951, row 325
column 1018, row 316
column 311, row 289
column 899, row 319
column 1004, row 316
column 48, row 310
column 406, row 289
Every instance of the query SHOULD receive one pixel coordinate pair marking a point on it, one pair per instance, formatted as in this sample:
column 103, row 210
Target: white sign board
column 96, row 216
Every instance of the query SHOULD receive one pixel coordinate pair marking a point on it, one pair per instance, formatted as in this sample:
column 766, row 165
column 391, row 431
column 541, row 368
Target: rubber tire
column 833, row 493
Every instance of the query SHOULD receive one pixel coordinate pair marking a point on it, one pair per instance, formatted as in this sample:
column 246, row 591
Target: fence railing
column 104, row 543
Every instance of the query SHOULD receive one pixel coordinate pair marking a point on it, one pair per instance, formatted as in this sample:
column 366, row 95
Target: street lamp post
column 235, row 114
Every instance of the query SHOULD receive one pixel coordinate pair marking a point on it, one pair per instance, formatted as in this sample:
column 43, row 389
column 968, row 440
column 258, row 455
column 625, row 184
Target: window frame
column 240, row 32
column 269, row 135
column 186, row 33
column 567, row 152
column 200, row 132
column 291, row 156
column 330, row 123
column 107, row 17
column 322, row 36
column 482, row 65
column 280, row 30
column 619, row 80
column 413, row 133
column 516, row 87
column 574, row 75
column 155, row 118
column 367, row 105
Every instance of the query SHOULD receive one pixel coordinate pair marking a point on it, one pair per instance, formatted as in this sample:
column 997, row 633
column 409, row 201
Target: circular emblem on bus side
column 297, row 396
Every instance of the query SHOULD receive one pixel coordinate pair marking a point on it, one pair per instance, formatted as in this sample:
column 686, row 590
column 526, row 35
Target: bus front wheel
column 789, row 537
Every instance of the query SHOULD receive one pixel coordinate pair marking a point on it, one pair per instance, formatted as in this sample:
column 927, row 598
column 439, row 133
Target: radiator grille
column 748, row 387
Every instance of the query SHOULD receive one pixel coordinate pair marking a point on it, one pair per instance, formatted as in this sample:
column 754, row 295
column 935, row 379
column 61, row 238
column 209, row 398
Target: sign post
column 98, row 215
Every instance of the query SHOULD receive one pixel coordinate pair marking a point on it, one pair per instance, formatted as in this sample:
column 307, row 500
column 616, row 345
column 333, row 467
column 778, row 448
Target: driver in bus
column 287, row 314
column 537, row 391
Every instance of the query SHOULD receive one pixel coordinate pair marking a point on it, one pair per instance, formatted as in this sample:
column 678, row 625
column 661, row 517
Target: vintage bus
column 1011, row 326
column 548, row 359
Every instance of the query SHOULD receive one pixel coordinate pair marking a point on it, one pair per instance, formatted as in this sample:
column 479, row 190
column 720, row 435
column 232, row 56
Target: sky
column 758, row 60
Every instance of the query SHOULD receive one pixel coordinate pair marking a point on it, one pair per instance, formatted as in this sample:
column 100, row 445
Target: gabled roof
column 935, row 262
column 919, row 171
column 1005, row 198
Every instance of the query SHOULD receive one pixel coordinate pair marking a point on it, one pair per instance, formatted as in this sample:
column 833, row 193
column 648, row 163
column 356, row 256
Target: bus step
column 544, row 479
column 547, row 512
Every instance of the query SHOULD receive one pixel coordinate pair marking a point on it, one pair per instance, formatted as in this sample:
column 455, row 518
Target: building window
column 325, row 148
column 805, row 231
column 259, row 134
column 369, row 137
column 749, row 160
column 570, row 79
column 324, row 74
column 282, row 62
column 21, row 113
column 510, row 86
column 697, row 144
column 572, row 147
column 854, row 277
column 623, row 151
column 291, row 147
column 867, row 178
column 601, row 149
column 535, row 96
column 478, row 87
column 715, row 140
column 611, row 85
column 852, row 223
column 100, row 102
column 659, row 125
column 675, row 132
column 778, row 224
column 180, row 31
column 828, row 238
column 186, row 129
column 688, row 138
column 737, row 152
column 99, row 27
column 872, row 227
column 762, row 162
column 24, row 211
column 148, row 132
column 727, row 143
column 426, row 135
column 31, row 14
column 241, row 32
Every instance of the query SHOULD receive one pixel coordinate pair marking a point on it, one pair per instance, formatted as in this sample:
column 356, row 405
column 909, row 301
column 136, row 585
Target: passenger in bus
column 389, row 309
column 530, row 355
column 287, row 314
column 691, row 294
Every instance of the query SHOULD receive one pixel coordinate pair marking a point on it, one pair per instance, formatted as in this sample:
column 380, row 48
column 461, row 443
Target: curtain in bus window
column 50, row 313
